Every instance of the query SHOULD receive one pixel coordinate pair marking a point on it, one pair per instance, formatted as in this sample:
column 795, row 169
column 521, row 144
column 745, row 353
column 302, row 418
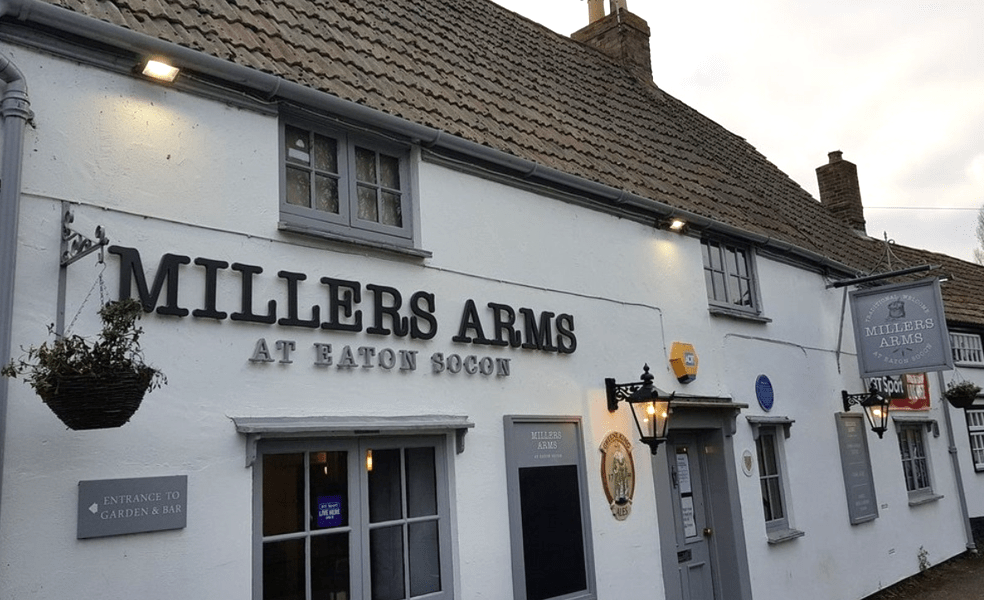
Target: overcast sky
column 897, row 85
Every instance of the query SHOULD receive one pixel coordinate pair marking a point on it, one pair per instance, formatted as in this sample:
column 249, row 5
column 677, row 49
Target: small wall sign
column 747, row 462
column 120, row 506
column 908, row 392
column 618, row 473
column 764, row 393
column 329, row 511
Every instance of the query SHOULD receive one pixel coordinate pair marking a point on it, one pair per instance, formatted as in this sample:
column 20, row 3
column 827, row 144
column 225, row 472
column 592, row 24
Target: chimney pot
column 596, row 10
column 834, row 156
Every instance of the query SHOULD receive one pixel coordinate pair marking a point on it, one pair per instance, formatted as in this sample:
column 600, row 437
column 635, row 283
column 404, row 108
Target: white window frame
column 774, row 431
column 975, row 432
column 719, row 293
column 346, row 225
column 967, row 349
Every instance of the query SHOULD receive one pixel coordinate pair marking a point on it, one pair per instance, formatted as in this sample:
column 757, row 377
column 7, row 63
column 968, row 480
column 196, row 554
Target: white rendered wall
column 167, row 172
column 973, row 480
column 801, row 360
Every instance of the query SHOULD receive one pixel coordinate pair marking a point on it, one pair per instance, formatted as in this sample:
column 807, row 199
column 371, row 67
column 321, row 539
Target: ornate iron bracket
column 74, row 245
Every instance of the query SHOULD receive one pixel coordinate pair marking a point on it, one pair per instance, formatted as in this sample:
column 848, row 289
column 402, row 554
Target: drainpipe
column 15, row 112
column 955, row 461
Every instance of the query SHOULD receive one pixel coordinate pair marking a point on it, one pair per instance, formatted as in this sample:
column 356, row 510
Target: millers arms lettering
column 343, row 308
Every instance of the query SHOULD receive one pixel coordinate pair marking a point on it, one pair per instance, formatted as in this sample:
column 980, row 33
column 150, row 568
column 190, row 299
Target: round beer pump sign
column 618, row 473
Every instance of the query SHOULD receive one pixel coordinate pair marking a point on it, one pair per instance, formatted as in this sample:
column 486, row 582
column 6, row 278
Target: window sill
column 784, row 535
column 924, row 498
column 721, row 311
column 335, row 237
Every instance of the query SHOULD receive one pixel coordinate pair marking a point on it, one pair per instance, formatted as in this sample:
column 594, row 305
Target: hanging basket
column 97, row 401
column 961, row 395
column 95, row 384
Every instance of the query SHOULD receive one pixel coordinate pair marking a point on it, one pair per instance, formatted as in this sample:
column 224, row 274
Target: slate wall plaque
column 121, row 506
column 859, row 483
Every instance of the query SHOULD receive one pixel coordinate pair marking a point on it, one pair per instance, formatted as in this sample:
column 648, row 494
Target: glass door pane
column 421, row 482
column 386, row 558
column 283, row 570
column 385, row 490
column 329, row 490
column 425, row 558
column 330, row 567
column 283, row 493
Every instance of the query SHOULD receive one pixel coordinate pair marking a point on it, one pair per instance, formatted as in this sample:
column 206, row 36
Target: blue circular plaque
column 763, row 391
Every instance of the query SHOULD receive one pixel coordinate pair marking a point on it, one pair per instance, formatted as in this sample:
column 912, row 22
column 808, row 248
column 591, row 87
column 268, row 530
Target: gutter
column 272, row 86
column 15, row 112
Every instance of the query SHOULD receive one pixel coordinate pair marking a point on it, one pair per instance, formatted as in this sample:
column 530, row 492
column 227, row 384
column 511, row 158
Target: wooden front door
column 691, row 514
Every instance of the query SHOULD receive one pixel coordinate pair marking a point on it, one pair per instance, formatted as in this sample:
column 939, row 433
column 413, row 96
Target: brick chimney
column 840, row 192
column 621, row 35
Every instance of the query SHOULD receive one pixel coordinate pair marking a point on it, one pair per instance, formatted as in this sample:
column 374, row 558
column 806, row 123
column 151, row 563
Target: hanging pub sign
column 900, row 329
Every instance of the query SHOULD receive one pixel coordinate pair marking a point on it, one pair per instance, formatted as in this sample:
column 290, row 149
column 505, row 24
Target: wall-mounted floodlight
column 159, row 70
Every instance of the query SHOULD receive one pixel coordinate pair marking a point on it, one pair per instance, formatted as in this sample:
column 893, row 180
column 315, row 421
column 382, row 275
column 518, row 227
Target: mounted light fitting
column 159, row 70
column 675, row 224
column 875, row 406
column 650, row 407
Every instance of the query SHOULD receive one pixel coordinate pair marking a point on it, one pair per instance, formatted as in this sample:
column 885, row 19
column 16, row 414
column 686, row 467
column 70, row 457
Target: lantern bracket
column 875, row 405
column 641, row 393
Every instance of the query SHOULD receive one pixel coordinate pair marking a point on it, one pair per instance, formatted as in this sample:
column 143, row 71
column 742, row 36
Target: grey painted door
column 690, row 512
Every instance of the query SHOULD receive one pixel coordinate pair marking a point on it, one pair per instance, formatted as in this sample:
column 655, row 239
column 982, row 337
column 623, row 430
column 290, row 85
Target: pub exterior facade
column 386, row 327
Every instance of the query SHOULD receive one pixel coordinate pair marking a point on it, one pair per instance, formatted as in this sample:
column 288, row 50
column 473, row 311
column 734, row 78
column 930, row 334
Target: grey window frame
column 776, row 429
column 915, row 428
column 345, row 226
column 358, row 515
column 719, row 300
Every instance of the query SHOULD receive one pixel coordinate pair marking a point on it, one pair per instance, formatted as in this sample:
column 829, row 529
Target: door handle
column 708, row 532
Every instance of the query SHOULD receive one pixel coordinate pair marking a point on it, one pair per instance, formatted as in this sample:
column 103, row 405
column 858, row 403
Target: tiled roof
column 478, row 71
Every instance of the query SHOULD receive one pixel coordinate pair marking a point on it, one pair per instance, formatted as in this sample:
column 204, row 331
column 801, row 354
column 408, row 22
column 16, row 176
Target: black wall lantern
column 875, row 406
column 650, row 407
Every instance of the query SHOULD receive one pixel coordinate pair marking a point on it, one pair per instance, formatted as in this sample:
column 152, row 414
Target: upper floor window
column 967, row 348
column 345, row 186
column 730, row 276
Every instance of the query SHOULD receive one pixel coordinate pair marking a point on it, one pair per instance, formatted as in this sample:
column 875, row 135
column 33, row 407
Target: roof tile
column 479, row 71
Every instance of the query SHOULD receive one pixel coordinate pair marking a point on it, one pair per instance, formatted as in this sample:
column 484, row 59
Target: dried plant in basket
column 92, row 384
